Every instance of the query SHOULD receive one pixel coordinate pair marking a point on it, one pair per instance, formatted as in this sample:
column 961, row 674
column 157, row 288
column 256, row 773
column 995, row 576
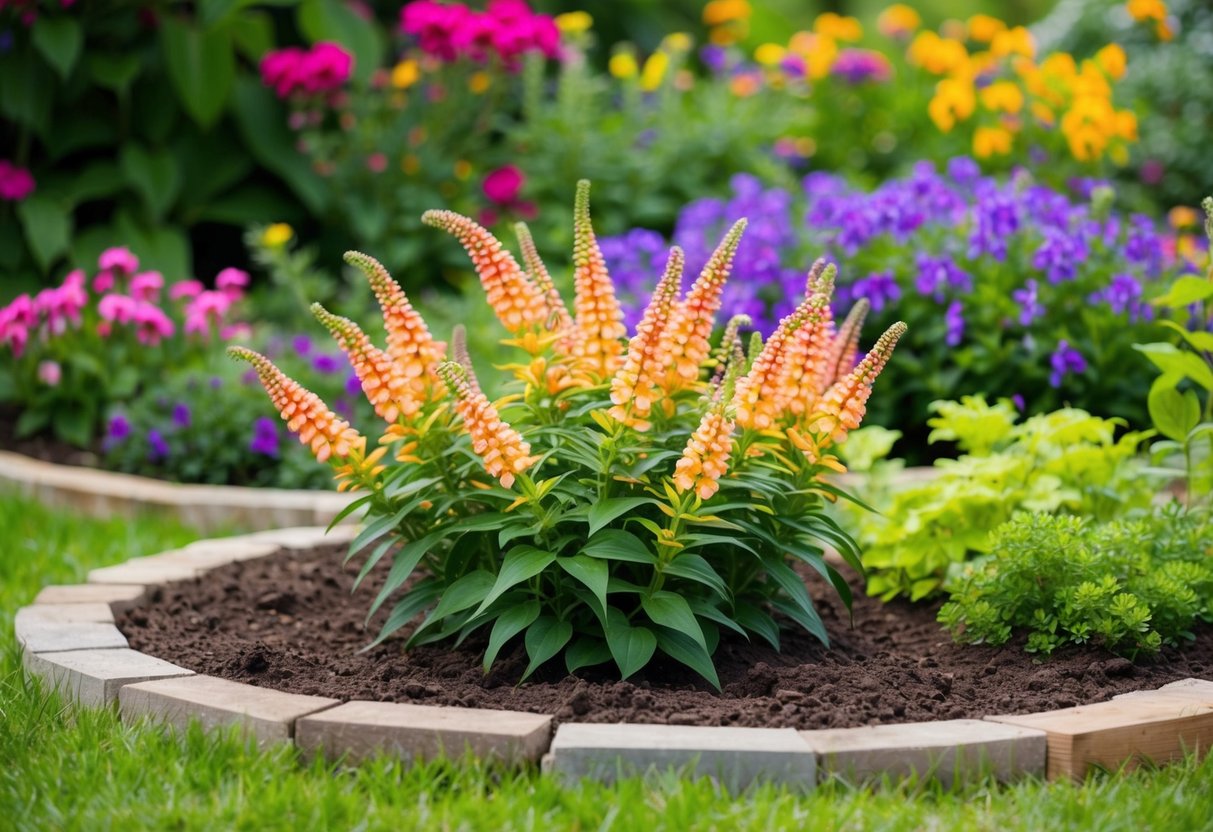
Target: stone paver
column 154, row 569
column 736, row 757
column 43, row 635
column 94, row 677
column 268, row 715
column 94, row 611
column 305, row 537
column 949, row 750
column 1199, row 688
column 359, row 729
column 211, row 554
column 119, row 596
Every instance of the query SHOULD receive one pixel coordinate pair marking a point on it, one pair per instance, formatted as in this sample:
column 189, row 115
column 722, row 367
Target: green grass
column 68, row 768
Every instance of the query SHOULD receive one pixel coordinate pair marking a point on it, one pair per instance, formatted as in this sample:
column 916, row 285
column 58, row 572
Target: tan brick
column 66, row 613
column 42, row 635
column 119, row 596
column 94, row 677
column 149, row 571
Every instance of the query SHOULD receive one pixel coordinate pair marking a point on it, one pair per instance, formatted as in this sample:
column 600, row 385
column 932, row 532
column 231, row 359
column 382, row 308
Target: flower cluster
column 505, row 30
column 293, row 72
column 586, row 436
column 16, row 183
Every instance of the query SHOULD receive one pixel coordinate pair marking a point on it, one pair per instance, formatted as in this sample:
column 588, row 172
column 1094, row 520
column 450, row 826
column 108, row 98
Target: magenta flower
column 15, row 183
column 185, row 289
column 118, row 309
column 205, row 309
column 146, row 285
column 118, row 259
column 506, row 29
column 152, row 325
column 232, row 282
column 324, row 68
column 503, row 185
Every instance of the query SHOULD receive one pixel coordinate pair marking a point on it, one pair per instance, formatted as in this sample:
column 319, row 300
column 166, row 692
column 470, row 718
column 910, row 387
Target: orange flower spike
column 843, row 406
column 845, row 348
column 807, row 360
column 306, row 415
column 761, row 394
column 558, row 317
column 685, row 346
column 409, row 342
column 501, row 448
column 635, row 388
column 598, row 324
column 706, row 456
column 383, row 382
column 515, row 298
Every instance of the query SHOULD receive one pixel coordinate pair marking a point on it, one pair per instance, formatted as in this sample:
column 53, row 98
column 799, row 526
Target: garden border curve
column 69, row 640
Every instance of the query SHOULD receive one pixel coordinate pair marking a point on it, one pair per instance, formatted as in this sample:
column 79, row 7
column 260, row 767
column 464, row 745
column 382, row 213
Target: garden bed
column 289, row 622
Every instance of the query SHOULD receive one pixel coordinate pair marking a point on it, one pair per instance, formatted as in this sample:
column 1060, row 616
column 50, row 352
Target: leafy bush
column 1065, row 462
column 1128, row 585
column 631, row 504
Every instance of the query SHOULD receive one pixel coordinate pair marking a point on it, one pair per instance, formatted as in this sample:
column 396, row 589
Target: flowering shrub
column 71, row 350
column 307, row 72
column 626, row 496
column 505, row 30
column 1011, row 288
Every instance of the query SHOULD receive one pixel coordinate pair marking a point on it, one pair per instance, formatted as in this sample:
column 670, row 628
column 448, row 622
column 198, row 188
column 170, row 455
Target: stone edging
column 208, row 508
column 69, row 639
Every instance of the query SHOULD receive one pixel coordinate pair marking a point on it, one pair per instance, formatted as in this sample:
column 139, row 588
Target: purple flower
column 181, row 415
column 716, row 58
column 963, row 171
column 157, row 446
column 302, row 344
column 939, row 274
column 1030, row 307
column 326, row 363
column 353, row 387
column 859, row 65
column 1065, row 360
column 265, row 437
column 955, row 322
column 880, row 289
column 216, row 382
column 116, row 431
column 1019, row 402
column 1059, row 255
column 1122, row 294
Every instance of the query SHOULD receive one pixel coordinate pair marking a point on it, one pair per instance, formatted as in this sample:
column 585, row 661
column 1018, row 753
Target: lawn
column 67, row 768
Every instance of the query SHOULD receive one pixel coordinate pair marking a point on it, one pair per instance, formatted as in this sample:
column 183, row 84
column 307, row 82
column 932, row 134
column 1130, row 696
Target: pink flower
column 434, row 25
column 281, row 70
column 50, row 373
column 147, row 285
column 236, row 332
column 323, row 68
column 502, row 185
column 119, row 260
column 20, row 311
column 376, row 162
column 185, row 289
column 118, row 309
column 152, row 325
column 231, row 282
column 15, row 322
column 205, row 309
column 15, row 183
column 104, row 281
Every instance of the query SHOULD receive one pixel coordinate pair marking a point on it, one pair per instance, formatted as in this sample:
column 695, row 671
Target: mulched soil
column 290, row 622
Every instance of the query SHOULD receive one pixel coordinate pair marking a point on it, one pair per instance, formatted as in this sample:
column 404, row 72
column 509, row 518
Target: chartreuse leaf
column 671, row 610
column 1186, row 290
column 510, row 623
column 544, row 639
column 682, row 648
column 631, row 647
column 604, row 511
column 617, row 544
column 518, row 565
column 592, row 572
column 1174, row 361
column 1175, row 414
column 1202, row 341
column 586, row 652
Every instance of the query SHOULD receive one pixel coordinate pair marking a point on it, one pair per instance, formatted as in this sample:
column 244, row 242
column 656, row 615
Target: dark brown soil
column 45, row 448
column 289, row 622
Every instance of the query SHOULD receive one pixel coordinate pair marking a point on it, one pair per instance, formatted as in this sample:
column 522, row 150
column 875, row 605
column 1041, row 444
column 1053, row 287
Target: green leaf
column 1184, row 291
column 1174, row 361
column 544, row 639
column 48, row 228
column 464, row 593
column 154, row 175
column 1174, row 413
column 799, row 607
column 335, row 20
column 682, row 648
column 704, row 608
column 201, row 65
column 631, row 647
column 1200, row 341
column 694, row 568
column 586, row 652
column 406, row 609
column 60, row 40
column 593, row 572
column 116, row 71
column 519, row 564
column 31, row 421
column 510, row 623
column 254, row 34
column 604, row 511
column 617, row 544
column 671, row 610
column 27, row 89
column 403, row 564
column 262, row 122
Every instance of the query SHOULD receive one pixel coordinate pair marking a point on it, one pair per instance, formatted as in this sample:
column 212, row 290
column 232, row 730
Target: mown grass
column 67, row 768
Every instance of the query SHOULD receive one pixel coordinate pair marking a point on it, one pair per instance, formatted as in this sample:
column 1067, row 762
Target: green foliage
column 1129, row 585
column 1064, row 462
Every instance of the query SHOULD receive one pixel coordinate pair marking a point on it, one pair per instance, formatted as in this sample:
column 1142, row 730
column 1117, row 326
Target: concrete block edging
column 70, row 643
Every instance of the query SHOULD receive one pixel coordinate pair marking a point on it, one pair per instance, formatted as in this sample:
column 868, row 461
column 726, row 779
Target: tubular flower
column 684, row 345
column 635, row 386
column 306, row 415
column 846, row 343
column 409, row 342
column 759, row 398
column 843, row 406
column 515, row 298
column 387, row 388
column 705, row 459
column 558, row 317
column 501, row 448
column 461, row 356
column 807, row 368
column 598, row 325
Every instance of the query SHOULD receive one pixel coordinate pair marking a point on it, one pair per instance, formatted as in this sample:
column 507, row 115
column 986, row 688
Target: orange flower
column 845, row 348
column 761, row 394
column 705, row 459
column 844, row 404
column 954, row 101
column 386, row 387
column 558, row 318
column 598, row 323
column 635, row 386
column 515, row 298
column 501, row 448
column 305, row 413
column 409, row 342
column 898, row 21
column 808, row 366
column 684, row 343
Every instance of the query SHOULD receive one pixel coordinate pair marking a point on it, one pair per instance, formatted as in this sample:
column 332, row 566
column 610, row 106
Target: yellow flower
column 1147, row 10
column 277, row 235
column 983, row 28
column 574, row 23
column 1002, row 96
column 991, row 141
column 479, row 82
column 623, row 65
column 405, row 74
column 1112, row 60
column 718, row 12
column 1043, row 113
column 818, row 52
column 1181, row 216
column 898, row 20
column 769, row 54
column 1017, row 41
column 838, row 27
column 1126, row 125
column 954, row 101
column 677, row 42
column 938, row 56
column 654, row 70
